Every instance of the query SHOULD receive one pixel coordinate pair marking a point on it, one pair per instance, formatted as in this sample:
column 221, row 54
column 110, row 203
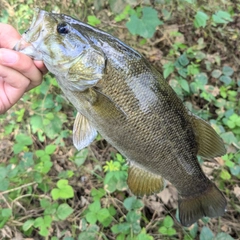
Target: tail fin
column 211, row 203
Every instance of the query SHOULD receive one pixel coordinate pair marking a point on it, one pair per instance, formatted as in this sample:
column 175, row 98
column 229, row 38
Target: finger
column 8, row 36
column 40, row 65
column 21, row 63
column 12, row 87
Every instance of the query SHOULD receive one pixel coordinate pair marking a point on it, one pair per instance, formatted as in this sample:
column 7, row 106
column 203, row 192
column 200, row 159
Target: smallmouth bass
column 119, row 94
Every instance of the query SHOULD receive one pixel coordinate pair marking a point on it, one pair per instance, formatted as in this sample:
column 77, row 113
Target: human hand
column 18, row 72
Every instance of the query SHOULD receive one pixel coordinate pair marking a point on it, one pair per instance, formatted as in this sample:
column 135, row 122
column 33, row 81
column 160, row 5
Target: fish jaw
column 28, row 49
column 32, row 38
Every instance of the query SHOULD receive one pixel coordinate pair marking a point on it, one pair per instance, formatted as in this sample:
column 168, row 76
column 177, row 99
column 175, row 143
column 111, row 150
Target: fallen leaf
column 236, row 191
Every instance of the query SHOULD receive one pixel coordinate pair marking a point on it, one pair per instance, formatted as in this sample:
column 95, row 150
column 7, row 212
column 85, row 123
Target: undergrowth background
column 48, row 190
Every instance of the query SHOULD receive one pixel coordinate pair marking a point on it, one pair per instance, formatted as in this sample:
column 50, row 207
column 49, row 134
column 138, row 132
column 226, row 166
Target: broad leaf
column 145, row 26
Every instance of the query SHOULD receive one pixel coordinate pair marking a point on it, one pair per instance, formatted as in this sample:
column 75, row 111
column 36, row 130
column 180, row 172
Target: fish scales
column 119, row 94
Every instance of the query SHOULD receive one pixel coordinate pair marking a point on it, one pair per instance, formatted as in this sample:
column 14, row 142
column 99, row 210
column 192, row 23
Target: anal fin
column 83, row 132
column 209, row 142
column 142, row 182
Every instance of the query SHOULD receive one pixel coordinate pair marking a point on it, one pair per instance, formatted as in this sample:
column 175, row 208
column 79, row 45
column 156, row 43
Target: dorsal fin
column 209, row 142
column 142, row 182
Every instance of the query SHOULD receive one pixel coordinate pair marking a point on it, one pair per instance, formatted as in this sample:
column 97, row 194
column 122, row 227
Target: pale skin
column 18, row 72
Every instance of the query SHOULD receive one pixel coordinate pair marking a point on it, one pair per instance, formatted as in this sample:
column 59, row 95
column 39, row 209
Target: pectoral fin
column 209, row 142
column 83, row 132
column 142, row 182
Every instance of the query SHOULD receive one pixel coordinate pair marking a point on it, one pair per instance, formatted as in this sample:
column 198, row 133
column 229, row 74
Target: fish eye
column 62, row 28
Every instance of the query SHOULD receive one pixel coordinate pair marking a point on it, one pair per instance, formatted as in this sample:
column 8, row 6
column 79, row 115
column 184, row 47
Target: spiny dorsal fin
column 83, row 132
column 142, row 182
column 209, row 143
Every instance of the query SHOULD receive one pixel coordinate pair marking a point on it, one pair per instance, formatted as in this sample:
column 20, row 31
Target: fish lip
column 28, row 49
column 24, row 45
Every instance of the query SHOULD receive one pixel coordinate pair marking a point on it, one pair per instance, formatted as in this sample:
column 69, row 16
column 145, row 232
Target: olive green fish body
column 118, row 93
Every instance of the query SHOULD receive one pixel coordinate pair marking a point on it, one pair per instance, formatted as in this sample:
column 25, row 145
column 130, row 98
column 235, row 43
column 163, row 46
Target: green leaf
column 168, row 222
column 225, row 79
column 63, row 211
column 145, row 26
column 44, row 231
column 47, row 220
column 103, row 214
column 124, row 14
column 44, row 203
column 112, row 210
column 6, row 212
column 192, row 69
column 201, row 79
column 28, row 224
column 200, row 19
column 222, row 17
column 132, row 203
column 62, row 183
column 171, row 232
column 95, row 206
column 24, row 139
column 93, row 20
column 4, row 185
column 54, row 127
column 3, row 172
column 223, row 236
column 168, row 69
column 133, row 217
column 117, row 6
column 229, row 138
column 228, row 71
column 235, row 170
column 216, row 73
column 115, row 181
column 225, row 175
column 229, row 163
column 121, row 228
column 45, row 165
column 40, row 153
column 183, row 60
column 144, row 236
column 50, row 149
column 81, row 157
column 91, row 217
column 4, row 16
column 206, row 234
column 18, row 147
column 184, row 85
column 63, row 191
column 163, row 230
column 97, row 194
column 194, row 230
column 38, row 222
column 49, row 103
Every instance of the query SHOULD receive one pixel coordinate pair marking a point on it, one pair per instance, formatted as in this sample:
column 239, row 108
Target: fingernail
column 8, row 56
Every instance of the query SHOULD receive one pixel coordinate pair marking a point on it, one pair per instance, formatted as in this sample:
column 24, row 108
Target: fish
column 118, row 93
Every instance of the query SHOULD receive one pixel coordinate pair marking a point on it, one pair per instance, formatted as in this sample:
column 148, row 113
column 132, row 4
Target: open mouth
column 28, row 49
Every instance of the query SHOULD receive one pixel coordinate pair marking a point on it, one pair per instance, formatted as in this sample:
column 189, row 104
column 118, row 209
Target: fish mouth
column 28, row 49
column 33, row 37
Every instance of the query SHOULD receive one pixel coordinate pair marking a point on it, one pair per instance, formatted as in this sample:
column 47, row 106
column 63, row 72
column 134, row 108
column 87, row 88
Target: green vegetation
column 50, row 190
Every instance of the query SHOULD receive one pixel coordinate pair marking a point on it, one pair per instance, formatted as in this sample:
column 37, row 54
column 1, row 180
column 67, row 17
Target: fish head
column 67, row 52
